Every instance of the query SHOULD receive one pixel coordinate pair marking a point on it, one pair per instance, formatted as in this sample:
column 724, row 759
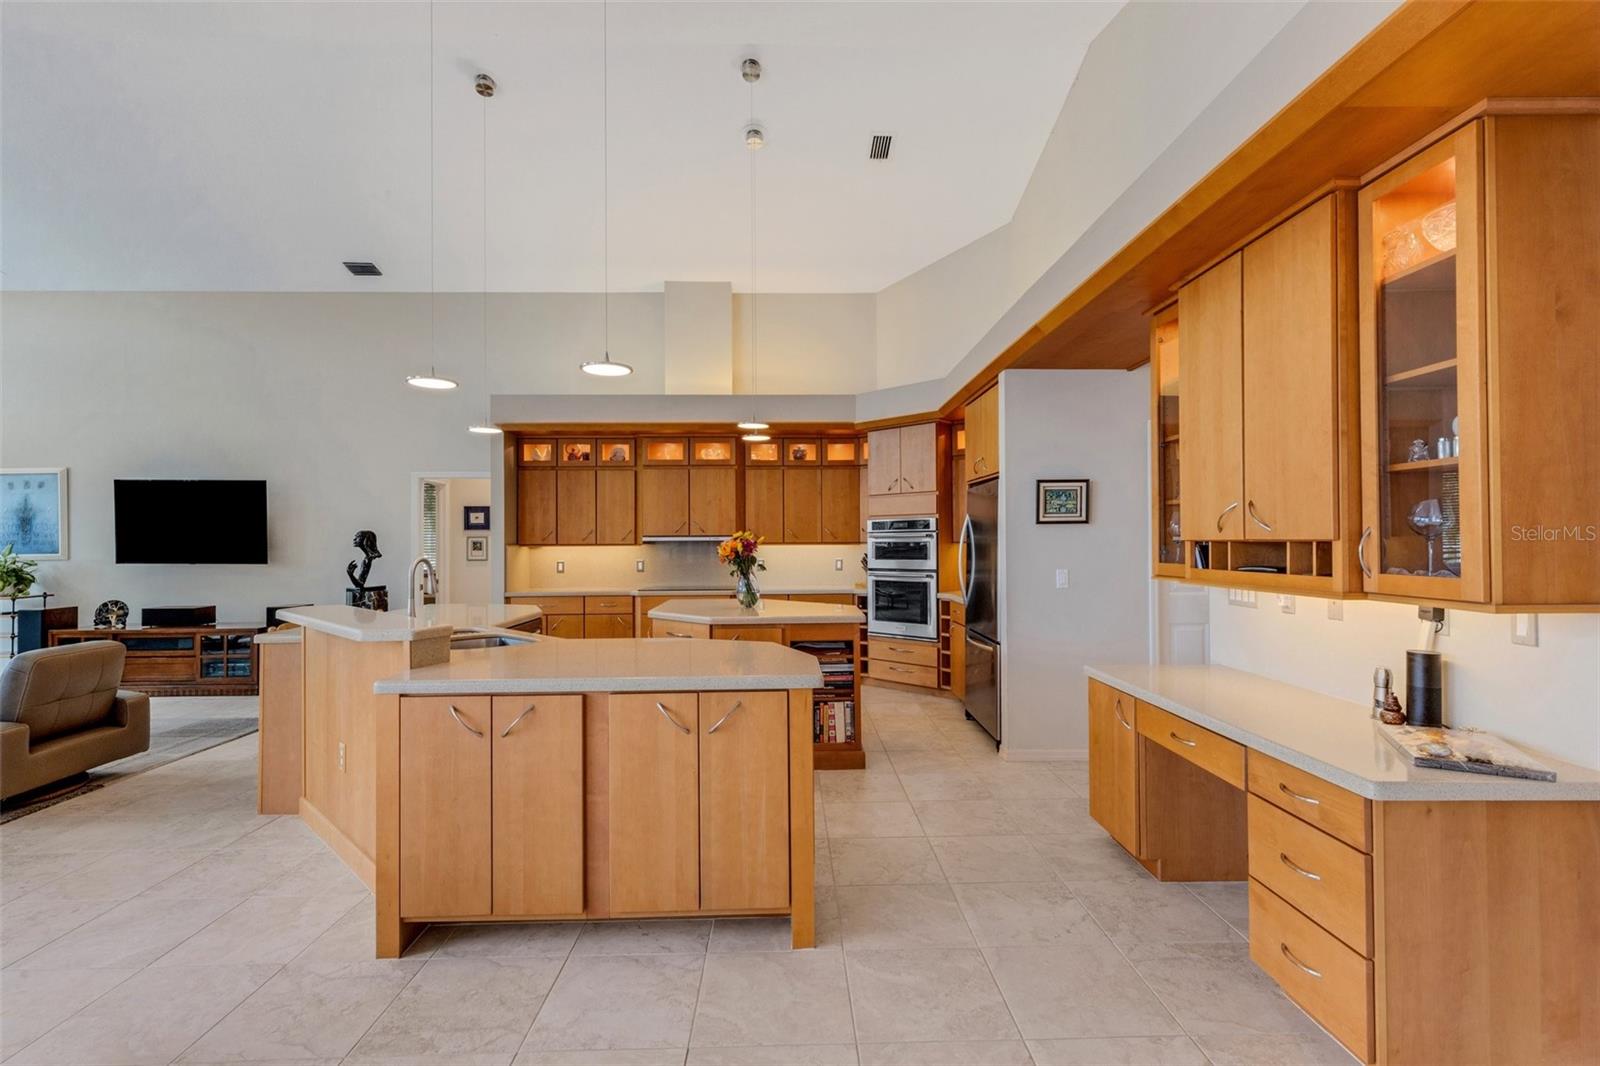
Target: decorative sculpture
column 359, row 594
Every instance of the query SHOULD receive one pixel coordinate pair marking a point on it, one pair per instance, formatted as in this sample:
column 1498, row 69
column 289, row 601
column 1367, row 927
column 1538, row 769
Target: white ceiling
column 253, row 146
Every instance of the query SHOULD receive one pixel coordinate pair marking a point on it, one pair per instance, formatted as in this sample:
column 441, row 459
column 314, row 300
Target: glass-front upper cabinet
column 1164, row 446
column 1423, row 377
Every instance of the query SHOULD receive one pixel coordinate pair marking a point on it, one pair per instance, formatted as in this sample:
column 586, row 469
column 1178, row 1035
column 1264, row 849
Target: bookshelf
column 836, row 704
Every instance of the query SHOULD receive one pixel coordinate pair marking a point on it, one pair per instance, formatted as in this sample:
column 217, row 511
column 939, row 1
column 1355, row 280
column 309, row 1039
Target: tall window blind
column 430, row 521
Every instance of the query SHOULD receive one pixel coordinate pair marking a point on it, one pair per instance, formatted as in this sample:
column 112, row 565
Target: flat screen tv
column 191, row 521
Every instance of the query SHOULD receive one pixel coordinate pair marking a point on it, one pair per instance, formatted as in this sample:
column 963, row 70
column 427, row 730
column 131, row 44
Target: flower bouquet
column 738, row 553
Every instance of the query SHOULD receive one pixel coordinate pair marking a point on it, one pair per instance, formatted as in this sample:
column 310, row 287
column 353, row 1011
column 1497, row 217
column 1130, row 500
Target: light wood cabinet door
column 983, row 435
column 841, row 504
column 1211, row 450
column 608, row 625
column 653, row 785
column 744, row 800
column 536, row 506
column 919, row 458
column 1114, row 764
column 566, row 626
column 575, row 506
column 537, row 748
column 958, row 660
column 664, row 501
column 614, row 511
column 1291, row 435
column 445, row 826
column 713, row 500
column 763, row 502
column 883, row 462
column 802, row 505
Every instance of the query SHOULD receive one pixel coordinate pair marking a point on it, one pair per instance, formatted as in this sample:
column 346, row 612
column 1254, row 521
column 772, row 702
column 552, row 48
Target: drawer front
column 551, row 604
column 603, row 626
column 771, row 634
column 158, row 668
column 1332, row 983
column 909, row 652
column 1210, row 751
column 608, row 604
column 1310, row 798
column 565, row 626
column 926, row 676
column 666, row 627
column 1327, row 879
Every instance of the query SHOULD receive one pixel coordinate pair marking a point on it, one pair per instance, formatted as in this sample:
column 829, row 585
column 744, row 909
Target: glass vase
column 746, row 592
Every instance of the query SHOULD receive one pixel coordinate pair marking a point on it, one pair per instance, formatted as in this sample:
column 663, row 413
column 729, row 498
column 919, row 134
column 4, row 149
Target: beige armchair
column 61, row 713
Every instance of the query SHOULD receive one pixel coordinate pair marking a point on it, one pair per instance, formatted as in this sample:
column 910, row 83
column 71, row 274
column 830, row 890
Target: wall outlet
column 1061, row 579
column 838, row 564
column 341, row 755
column 1336, row 610
column 1525, row 630
column 561, row 567
column 638, row 566
column 1241, row 598
column 1286, row 604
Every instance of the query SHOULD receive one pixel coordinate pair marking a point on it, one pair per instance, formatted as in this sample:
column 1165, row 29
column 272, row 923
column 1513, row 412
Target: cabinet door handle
column 462, row 722
column 1120, row 719
column 894, row 483
column 1361, row 551
column 1287, row 791
column 588, row 538
column 736, row 705
column 1186, row 743
column 681, row 527
column 1297, row 868
column 978, row 464
column 1231, row 507
column 679, row 726
column 827, row 531
column 1250, row 508
column 1290, row 956
column 517, row 720
column 909, row 485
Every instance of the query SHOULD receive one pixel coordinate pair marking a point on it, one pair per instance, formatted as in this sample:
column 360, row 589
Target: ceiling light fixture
column 484, row 86
column 605, row 368
column 432, row 379
column 754, row 139
column 753, row 426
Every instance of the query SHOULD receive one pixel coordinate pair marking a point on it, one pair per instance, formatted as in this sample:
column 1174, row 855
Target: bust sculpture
column 359, row 594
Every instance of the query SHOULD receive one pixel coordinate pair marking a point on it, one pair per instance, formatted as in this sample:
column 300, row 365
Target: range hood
column 703, row 538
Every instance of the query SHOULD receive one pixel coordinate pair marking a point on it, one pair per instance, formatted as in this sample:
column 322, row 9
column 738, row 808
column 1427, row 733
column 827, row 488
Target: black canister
column 1424, row 688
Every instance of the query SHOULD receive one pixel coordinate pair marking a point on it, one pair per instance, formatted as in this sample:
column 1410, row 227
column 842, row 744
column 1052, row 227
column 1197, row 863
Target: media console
column 218, row 660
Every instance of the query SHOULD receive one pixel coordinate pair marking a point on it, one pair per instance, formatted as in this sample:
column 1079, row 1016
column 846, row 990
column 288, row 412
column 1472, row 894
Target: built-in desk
column 1421, row 916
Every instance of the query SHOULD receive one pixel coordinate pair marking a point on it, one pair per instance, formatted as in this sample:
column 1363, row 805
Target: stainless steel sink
column 468, row 638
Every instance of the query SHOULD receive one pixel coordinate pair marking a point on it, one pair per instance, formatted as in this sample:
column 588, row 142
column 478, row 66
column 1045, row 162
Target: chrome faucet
column 430, row 583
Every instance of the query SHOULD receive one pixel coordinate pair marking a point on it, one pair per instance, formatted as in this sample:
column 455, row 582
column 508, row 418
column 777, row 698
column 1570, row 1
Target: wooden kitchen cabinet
column 713, row 500
column 607, row 625
column 1114, row 764
column 536, row 747
column 1211, row 338
column 575, row 505
column 883, row 462
column 566, row 626
column 614, row 507
column 663, row 501
column 983, row 435
column 841, row 504
column 903, row 470
column 536, row 505
column 802, row 504
column 653, row 782
column 763, row 502
column 919, row 458
column 445, row 819
column 744, row 800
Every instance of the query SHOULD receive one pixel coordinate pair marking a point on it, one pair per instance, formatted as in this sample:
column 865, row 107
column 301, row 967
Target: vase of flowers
column 738, row 553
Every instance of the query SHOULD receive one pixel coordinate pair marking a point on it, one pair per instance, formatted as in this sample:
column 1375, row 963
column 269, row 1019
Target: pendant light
column 754, row 140
column 605, row 368
column 484, row 86
column 432, row 379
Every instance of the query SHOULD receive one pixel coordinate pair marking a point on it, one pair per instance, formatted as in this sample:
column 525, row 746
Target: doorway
column 459, row 556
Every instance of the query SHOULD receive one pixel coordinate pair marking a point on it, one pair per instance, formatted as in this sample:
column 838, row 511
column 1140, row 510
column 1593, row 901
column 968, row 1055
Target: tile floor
column 969, row 912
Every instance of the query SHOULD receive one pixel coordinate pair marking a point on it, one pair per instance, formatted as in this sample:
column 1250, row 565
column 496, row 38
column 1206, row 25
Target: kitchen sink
column 468, row 638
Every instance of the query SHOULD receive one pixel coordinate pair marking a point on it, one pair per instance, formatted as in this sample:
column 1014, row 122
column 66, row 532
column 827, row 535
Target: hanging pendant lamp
column 605, row 367
column 484, row 86
column 432, row 380
column 754, row 140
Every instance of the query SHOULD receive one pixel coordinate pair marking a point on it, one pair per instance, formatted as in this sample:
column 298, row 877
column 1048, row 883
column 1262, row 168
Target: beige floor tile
column 963, row 818
column 609, row 1057
column 662, row 936
column 741, row 935
column 354, row 937
column 133, row 933
column 461, row 1011
column 287, row 833
column 25, row 872
column 231, row 873
column 884, row 861
column 972, row 860
column 793, row 1055
column 877, row 819
column 32, row 1002
column 858, row 786
column 821, row 859
column 1025, row 914
column 1145, row 918
column 950, row 1053
column 925, row 762
column 925, row 995
column 508, row 939
column 943, row 785
column 922, row 738
column 29, row 923
column 1118, row 1051
column 1275, row 1049
column 1228, row 900
column 1088, row 855
column 620, row 1001
column 149, row 1019
column 320, row 874
column 901, row 916
column 772, row 998
column 1079, row 989
column 1215, row 990
column 119, row 875
column 1049, row 815
column 261, row 929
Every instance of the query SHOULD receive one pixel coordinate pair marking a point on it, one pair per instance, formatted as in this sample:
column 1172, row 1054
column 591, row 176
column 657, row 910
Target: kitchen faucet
column 430, row 583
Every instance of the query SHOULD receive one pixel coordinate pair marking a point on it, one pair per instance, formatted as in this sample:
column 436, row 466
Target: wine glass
column 1427, row 521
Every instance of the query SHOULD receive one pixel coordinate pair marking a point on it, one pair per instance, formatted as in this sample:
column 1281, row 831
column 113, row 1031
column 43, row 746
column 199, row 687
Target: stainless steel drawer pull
column 1297, row 868
column 1361, row 551
column 681, row 636
column 1231, row 507
column 1120, row 719
column 668, row 716
column 1250, row 505
column 462, row 722
column 1186, row 743
column 516, row 721
column 736, row 705
column 1290, row 956
column 1291, row 793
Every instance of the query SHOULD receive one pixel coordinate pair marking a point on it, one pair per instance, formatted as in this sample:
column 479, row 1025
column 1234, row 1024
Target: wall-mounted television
column 191, row 521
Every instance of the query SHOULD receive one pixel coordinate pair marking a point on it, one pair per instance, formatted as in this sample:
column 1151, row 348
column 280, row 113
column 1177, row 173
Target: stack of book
column 833, row 704
column 833, row 721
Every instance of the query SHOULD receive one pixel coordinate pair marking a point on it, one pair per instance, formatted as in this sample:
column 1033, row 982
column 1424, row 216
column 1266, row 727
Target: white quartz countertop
column 434, row 620
column 629, row 665
column 766, row 613
column 689, row 590
column 280, row 636
column 1334, row 739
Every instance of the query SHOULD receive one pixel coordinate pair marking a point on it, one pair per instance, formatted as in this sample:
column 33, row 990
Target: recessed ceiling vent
column 880, row 146
column 364, row 270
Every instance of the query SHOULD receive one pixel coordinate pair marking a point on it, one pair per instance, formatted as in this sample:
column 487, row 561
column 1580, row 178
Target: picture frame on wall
column 33, row 511
column 475, row 517
column 1062, row 501
column 477, row 549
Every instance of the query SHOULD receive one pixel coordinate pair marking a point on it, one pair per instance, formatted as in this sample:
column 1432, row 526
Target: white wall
column 1070, row 423
column 466, row 580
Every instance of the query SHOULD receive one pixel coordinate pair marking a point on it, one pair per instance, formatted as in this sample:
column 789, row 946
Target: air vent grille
column 880, row 146
column 364, row 270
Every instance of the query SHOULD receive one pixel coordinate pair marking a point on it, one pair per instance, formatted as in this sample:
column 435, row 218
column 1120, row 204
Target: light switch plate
column 1061, row 578
column 638, row 565
column 1525, row 630
column 1286, row 603
column 561, row 567
column 838, row 564
column 1241, row 598
column 341, row 755
column 1336, row 610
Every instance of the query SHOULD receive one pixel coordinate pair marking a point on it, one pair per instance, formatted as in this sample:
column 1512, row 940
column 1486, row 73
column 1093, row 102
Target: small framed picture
column 33, row 512
column 475, row 517
column 477, row 549
column 1063, row 500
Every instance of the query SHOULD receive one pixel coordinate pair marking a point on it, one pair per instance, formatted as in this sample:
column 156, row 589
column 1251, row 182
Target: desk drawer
column 551, row 604
column 608, row 604
column 1210, row 751
column 1314, row 969
column 1311, row 799
column 772, row 634
column 910, row 652
column 904, row 673
column 666, row 627
column 1325, row 879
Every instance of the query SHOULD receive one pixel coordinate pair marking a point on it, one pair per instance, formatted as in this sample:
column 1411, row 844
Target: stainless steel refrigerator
column 980, row 575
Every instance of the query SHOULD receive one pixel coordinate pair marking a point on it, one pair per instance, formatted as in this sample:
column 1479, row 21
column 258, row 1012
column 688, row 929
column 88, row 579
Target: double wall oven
column 903, row 577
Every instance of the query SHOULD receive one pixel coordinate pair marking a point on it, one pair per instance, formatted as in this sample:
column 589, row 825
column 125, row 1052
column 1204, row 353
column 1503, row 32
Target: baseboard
column 342, row 846
column 1043, row 754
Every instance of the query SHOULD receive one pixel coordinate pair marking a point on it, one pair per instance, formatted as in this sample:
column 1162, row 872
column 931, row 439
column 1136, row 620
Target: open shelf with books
column 836, row 704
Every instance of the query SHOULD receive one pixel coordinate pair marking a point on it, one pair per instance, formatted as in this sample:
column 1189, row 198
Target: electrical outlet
column 1061, row 578
column 1525, row 630
column 1241, row 598
column 341, row 755
column 1336, row 610
column 638, row 566
column 838, row 564
column 1286, row 604
column 561, row 567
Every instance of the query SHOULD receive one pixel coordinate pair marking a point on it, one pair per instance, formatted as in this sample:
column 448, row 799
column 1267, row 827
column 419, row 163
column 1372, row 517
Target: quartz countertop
column 728, row 612
column 290, row 635
column 625, row 665
column 1334, row 739
column 690, row 590
column 434, row 620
